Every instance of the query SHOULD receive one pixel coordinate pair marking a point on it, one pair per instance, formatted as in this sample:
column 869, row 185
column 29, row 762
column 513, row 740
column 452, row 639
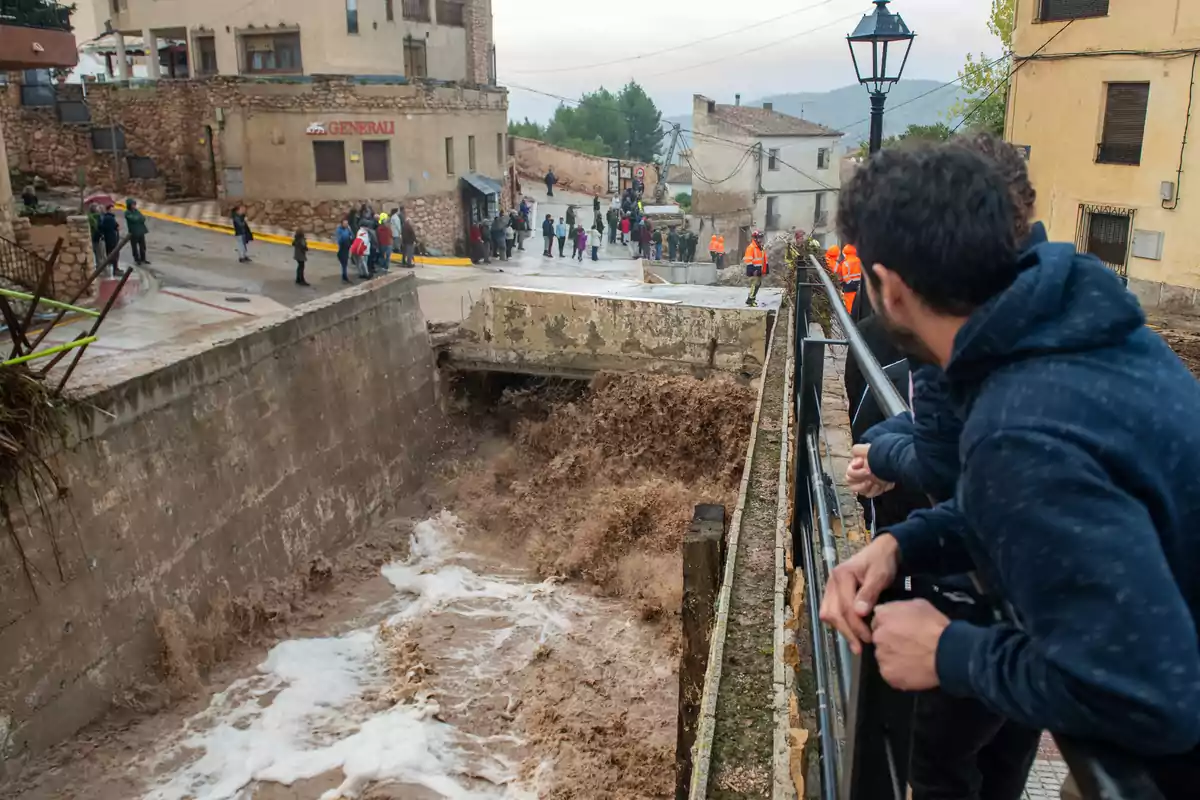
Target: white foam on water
column 306, row 712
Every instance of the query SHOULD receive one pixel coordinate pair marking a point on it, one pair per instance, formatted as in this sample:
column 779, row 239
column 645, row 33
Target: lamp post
column 879, row 32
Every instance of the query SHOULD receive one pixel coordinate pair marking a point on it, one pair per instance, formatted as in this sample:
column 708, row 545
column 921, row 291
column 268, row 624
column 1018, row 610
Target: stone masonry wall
column 225, row 465
column 75, row 260
column 478, row 19
column 438, row 218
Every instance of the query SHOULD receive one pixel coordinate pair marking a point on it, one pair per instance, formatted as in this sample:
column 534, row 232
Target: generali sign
column 348, row 128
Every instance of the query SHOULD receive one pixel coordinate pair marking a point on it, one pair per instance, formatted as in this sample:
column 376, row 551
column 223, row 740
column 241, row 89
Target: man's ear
column 893, row 292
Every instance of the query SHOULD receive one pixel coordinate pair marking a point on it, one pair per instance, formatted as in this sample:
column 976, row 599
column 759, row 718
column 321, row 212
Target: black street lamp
column 878, row 32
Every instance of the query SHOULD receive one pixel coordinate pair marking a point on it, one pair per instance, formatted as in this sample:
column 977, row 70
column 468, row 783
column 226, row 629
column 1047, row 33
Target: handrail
column 867, row 761
column 885, row 393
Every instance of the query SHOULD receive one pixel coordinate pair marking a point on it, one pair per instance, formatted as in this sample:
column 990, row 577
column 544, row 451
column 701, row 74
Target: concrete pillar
column 150, row 43
column 122, row 57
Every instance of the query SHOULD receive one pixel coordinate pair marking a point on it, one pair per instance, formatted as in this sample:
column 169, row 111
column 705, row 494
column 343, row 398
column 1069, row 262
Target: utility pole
column 660, row 191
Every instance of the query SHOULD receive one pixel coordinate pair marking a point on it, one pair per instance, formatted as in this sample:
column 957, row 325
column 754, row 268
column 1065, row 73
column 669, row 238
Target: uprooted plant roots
column 32, row 420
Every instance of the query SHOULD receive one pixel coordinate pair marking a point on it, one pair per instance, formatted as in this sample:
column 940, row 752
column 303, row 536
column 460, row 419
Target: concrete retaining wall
column 225, row 466
column 697, row 274
column 552, row 333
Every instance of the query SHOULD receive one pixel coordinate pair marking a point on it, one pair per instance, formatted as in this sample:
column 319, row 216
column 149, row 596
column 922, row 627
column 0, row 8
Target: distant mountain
column 847, row 109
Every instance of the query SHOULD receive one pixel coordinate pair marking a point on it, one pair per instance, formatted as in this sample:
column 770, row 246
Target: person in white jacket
column 594, row 240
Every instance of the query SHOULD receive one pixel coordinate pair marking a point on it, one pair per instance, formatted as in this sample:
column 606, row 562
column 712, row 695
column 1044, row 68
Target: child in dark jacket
column 300, row 252
column 580, row 242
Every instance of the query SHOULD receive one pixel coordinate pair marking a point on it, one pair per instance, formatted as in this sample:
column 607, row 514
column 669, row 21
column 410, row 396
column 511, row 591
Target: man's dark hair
column 1013, row 169
column 940, row 217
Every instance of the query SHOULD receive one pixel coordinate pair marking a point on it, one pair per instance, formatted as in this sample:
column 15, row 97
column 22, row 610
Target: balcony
column 35, row 34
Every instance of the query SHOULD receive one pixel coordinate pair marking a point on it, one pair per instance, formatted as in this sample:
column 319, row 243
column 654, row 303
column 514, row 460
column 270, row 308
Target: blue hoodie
column 1078, row 498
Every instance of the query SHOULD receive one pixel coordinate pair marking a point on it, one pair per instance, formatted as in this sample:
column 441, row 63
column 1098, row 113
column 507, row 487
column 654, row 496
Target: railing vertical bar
column 829, row 746
column 828, row 549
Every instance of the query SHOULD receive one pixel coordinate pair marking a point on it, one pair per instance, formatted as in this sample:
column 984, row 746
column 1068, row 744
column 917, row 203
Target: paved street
column 194, row 285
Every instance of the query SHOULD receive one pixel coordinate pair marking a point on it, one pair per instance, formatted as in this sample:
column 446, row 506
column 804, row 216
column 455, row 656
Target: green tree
column 987, row 83
column 623, row 125
column 685, row 202
column 643, row 123
column 527, row 129
column 937, row 132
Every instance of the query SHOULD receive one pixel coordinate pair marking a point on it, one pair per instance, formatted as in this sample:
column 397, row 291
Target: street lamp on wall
column 880, row 44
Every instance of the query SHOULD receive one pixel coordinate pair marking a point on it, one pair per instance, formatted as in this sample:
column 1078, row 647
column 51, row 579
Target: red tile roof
column 768, row 122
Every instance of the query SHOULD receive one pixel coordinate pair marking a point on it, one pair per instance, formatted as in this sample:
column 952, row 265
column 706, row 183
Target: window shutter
column 1124, row 123
column 1073, row 9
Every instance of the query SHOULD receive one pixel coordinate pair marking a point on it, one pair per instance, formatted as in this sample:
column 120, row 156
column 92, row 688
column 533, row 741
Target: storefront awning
column 482, row 184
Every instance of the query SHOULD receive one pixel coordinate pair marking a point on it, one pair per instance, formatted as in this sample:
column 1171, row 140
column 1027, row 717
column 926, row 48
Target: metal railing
column 415, row 10
column 22, row 267
column 35, row 14
column 865, row 725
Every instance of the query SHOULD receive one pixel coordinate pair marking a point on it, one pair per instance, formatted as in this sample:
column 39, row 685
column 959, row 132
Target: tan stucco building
column 1102, row 95
column 447, row 40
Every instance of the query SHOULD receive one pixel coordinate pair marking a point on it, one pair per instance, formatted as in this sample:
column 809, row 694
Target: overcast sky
column 540, row 43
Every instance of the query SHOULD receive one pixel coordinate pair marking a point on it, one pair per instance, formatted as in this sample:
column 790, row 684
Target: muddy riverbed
column 516, row 639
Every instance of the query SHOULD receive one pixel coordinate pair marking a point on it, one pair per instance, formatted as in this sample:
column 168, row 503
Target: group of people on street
column 106, row 232
column 582, row 241
column 1034, row 563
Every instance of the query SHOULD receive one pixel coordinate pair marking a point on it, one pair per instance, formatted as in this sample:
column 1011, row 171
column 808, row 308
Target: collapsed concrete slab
column 544, row 332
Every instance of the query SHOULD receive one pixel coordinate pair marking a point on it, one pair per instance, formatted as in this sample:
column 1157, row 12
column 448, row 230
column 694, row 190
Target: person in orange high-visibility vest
column 851, row 275
column 832, row 256
column 712, row 247
column 720, row 251
column 756, row 266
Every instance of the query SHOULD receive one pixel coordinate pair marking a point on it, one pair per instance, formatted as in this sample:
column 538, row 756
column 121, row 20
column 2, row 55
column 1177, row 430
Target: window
column 773, row 213
column 272, row 53
column 206, row 56
column 351, row 16
column 415, row 65
column 449, row 155
column 1104, row 232
column 415, row 10
column 377, row 162
column 107, row 139
column 471, row 153
column 141, row 167
column 389, row 10
column 1072, row 9
column 500, row 149
column 36, row 88
column 330, row 158
column 1124, row 124
column 823, row 158
column 773, row 159
column 821, row 214
column 450, row 12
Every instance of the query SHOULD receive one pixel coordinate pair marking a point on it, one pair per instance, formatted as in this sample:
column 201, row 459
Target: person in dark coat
column 548, row 235
column 242, row 235
column 408, row 238
column 551, row 179
column 135, row 224
column 300, row 253
column 110, row 232
column 345, row 235
column 1077, row 498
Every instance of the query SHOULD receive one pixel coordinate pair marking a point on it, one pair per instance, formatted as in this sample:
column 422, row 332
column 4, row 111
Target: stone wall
column 438, row 219
column 1165, row 298
column 478, row 19
column 577, row 335
column 576, row 172
column 205, row 470
column 75, row 262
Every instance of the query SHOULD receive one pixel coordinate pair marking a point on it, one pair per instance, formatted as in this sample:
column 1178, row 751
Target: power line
column 1005, row 82
column 672, row 49
column 758, row 48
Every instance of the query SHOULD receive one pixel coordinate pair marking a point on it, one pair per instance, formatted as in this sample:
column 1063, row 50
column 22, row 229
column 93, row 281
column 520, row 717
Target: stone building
column 756, row 167
column 298, row 138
